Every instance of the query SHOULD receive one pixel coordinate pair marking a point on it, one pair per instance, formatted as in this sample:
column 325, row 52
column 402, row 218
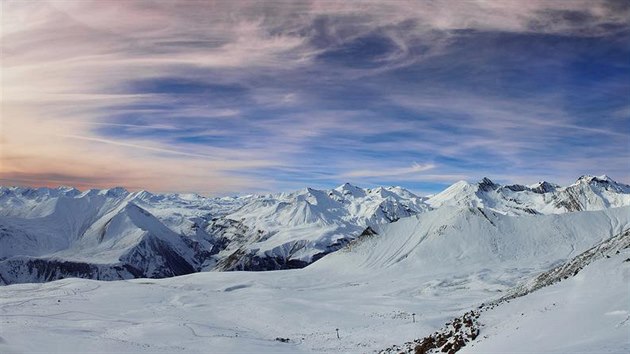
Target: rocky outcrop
column 37, row 270
column 449, row 339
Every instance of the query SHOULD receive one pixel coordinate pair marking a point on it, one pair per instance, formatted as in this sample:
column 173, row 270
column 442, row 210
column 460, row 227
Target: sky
column 228, row 97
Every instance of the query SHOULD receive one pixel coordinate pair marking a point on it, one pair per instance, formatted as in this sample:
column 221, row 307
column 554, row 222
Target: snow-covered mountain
column 48, row 234
column 587, row 193
column 291, row 230
column 402, row 281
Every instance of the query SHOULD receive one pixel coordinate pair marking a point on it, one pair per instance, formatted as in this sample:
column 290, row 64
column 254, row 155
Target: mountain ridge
column 152, row 233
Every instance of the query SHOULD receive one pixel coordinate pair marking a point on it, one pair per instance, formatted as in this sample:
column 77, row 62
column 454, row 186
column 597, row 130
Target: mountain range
column 48, row 234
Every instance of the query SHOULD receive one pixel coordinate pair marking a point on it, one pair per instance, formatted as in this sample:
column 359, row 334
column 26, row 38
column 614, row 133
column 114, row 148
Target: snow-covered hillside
column 450, row 238
column 432, row 267
column 585, row 310
column 48, row 234
column 540, row 315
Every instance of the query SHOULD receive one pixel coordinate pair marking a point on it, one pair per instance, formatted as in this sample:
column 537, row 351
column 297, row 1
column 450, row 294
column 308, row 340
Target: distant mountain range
column 48, row 234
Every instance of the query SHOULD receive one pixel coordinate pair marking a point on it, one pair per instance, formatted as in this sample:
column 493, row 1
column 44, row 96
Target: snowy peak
column 316, row 197
column 34, row 193
column 604, row 182
column 487, row 185
column 596, row 179
column 543, row 187
column 589, row 193
column 349, row 190
column 116, row 192
column 459, row 193
column 393, row 192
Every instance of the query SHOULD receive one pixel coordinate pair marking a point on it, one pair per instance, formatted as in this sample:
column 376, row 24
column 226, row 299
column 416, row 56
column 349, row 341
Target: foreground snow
column 437, row 265
column 588, row 313
column 221, row 312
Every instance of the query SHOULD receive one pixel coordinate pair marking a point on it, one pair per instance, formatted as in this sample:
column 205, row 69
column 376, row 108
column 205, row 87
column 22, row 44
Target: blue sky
column 239, row 97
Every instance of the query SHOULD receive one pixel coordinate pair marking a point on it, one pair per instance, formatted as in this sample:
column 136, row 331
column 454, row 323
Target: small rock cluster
column 449, row 339
column 453, row 337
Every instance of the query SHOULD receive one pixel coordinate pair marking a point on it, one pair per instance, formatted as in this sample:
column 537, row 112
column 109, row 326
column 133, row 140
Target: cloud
column 249, row 94
column 395, row 172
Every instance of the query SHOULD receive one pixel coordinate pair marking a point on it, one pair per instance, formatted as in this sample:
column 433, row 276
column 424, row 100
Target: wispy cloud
column 385, row 172
column 246, row 95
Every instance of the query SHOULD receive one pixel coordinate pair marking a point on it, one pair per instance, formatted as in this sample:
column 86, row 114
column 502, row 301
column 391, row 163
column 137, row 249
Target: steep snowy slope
column 67, row 203
column 589, row 313
column 127, row 242
column 584, row 311
column 48, row 234
column 291, row 230
column 608, row 248
column 451, row 237
column 50, row 220
column 587, row 193
column 31, row 202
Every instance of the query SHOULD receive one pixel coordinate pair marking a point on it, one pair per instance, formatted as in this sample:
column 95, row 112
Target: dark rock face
column 38, row 270
column 243, row 260
column 156, row 259
column 486, row 185
column 544, row 187
column 516, row 187
column 368, row 232
column 569, row 200
column 256, row 263
column 151, row 258
column 449, row 339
